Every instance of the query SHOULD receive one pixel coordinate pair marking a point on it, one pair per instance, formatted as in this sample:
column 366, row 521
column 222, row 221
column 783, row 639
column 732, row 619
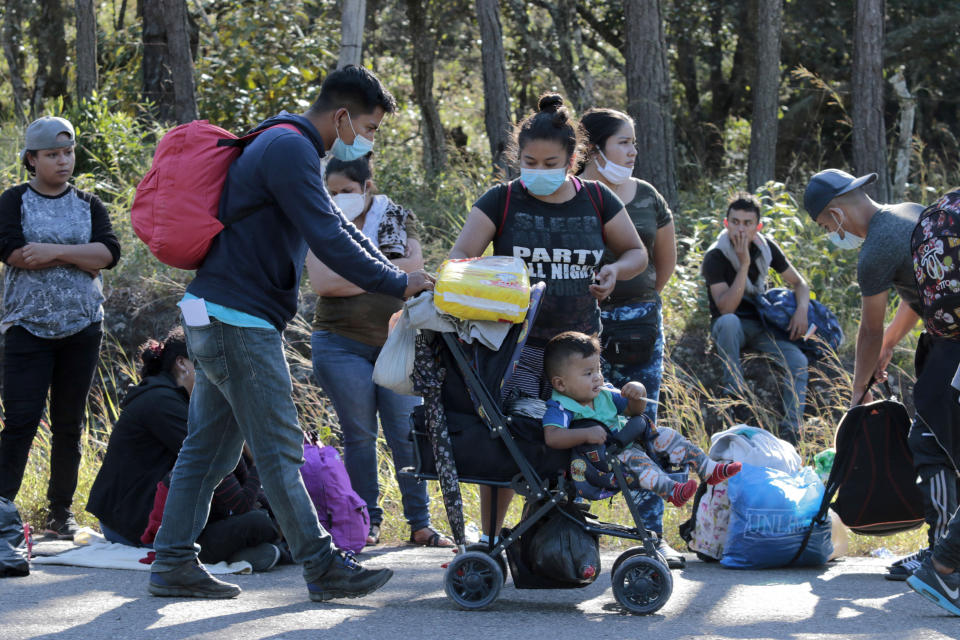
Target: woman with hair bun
column 632, row 318
column 145, row 441
column 560, row 226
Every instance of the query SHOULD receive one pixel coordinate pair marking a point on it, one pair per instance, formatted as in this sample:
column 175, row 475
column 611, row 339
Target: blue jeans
column 242, row 393
column 344, row 369
column 650, row 374
column 112, row 536
column 732, row 333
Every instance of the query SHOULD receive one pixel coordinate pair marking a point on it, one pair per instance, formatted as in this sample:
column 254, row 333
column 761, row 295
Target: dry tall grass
column 685, row 395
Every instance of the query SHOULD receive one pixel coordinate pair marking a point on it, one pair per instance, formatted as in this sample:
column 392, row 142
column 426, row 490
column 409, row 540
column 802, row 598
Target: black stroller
column 462, row 434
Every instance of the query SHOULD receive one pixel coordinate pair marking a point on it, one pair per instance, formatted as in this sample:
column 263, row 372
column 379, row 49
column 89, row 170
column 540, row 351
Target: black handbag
column 630, row 341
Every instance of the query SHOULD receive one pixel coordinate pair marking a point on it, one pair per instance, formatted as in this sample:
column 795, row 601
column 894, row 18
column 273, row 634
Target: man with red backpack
column 235, row 310
column 838, row 203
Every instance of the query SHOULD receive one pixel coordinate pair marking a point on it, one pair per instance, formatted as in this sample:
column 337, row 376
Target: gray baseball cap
column 42, row 133
column 827, row 185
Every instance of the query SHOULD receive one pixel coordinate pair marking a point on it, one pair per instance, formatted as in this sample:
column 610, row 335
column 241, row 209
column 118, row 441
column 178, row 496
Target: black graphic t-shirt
column 562, row 244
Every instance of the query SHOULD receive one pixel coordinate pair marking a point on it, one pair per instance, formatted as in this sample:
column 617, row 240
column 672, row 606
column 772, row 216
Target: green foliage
column 256, row 58
column 267, row 56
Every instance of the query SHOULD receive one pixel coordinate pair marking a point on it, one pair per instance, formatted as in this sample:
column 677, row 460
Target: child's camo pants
column 668, row 444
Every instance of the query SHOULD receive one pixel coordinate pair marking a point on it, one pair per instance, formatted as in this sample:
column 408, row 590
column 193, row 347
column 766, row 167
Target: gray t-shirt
column 885, row 258
column 58, row 301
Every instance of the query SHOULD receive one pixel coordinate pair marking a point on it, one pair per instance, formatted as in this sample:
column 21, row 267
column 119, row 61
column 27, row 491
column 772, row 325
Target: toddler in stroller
column 463, row 433
column 583, row 414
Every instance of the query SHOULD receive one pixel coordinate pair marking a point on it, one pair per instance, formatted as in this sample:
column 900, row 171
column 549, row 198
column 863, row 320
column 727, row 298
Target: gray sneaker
column 190, row 580
column 674, row 558
column 346, row 578
column 61, row 524
column 936, row 587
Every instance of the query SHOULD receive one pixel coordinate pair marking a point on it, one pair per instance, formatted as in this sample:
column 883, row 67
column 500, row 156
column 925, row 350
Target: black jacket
column 142, row 449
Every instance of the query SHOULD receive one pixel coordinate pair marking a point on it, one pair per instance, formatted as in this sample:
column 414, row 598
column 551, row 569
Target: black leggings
column 33, row 366
column 223, row 538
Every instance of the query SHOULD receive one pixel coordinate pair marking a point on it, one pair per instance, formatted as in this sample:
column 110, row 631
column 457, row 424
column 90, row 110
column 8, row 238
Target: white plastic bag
column 394, row 366
column 753, row 445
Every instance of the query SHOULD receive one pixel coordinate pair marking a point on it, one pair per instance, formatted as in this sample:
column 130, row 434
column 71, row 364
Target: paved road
column 846, row 600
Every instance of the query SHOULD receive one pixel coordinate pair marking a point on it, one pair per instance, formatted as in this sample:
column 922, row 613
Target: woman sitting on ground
column 143, row 448
column 145, row 441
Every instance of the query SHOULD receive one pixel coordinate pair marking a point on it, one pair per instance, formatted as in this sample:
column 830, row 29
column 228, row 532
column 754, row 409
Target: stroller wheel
column 484, row 548
column 642, row 584
column 631, row 552
column 473, row 580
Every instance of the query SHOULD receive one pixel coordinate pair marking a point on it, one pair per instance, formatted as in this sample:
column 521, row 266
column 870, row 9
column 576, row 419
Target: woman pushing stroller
column 571, row 363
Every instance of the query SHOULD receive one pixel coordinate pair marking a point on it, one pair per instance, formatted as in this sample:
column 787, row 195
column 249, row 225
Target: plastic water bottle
column 471, row 532
column 823, row 463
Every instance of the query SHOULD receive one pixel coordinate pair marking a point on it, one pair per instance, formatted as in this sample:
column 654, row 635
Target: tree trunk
column 86, row 49
column 761, row 165
column 157, row 81
column 121, row 15
column 908, row 109
column 50, row 41
column 351, row 33
column 496, row 102
column 869, row 134
column 13, row 52
column 727, row 91
column 648, row 95
column 573, row 75
column 181, row 59
column 424, row 50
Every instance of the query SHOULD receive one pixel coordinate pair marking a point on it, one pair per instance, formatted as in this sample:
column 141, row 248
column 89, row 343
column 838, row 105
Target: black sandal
column 373, row 538
column 434, row 540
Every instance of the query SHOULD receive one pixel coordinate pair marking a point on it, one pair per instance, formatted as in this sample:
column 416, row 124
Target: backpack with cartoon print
column 935, row 245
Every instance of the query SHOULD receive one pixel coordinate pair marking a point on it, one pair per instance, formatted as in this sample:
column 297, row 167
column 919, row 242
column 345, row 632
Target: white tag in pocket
column 194, row 312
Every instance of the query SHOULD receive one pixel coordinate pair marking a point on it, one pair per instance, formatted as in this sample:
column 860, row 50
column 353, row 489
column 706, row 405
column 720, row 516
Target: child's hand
column 595, row 435
column 634, row 391
column 636, row 396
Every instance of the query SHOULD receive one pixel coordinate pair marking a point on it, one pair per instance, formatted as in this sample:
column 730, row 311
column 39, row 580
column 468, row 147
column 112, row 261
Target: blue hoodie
column 254, row 264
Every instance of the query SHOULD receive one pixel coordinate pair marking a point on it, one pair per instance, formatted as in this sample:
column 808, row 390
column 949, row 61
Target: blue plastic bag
column 770, row 512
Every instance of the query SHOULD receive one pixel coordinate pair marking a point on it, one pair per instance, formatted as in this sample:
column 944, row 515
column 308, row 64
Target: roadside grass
column 685, row 396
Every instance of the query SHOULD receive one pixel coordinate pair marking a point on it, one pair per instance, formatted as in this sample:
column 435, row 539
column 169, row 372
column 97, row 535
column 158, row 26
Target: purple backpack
column 340, row 510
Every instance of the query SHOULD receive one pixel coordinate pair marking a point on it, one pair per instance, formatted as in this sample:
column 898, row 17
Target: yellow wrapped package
column 490, row 288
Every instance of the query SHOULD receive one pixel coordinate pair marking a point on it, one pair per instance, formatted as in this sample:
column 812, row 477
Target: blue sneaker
column 942, row 590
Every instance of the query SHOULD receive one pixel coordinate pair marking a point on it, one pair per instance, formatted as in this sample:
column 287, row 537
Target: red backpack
column 176, row 205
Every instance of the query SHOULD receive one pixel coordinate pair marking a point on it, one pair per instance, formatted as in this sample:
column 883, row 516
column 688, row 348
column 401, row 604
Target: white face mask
column 351, row 204
column 848, row 241
column 613, row 172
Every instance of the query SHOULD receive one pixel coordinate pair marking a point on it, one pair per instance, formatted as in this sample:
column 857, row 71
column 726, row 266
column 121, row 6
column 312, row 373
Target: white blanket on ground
column 96, row 553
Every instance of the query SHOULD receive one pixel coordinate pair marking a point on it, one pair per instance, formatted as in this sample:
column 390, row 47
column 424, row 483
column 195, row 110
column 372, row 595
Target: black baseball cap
column 827, row 185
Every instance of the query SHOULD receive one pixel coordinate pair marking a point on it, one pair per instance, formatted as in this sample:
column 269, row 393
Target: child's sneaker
column 682, row 491
column 943, row 590
column 723, row 471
